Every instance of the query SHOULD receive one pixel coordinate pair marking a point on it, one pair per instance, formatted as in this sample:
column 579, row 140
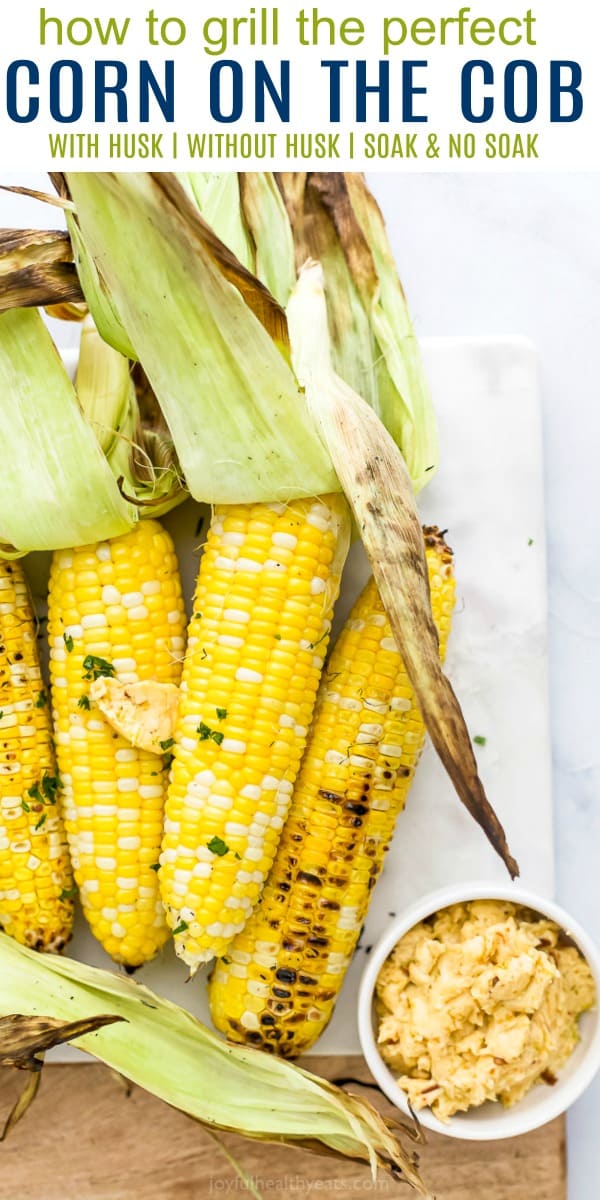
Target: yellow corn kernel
column 114, row 608
column 268, row 580
column 36, row 884
column 364, row 745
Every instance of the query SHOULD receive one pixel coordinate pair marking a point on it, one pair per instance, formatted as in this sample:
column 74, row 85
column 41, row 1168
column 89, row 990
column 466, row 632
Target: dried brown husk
column 37, row 269
column 23, row 1044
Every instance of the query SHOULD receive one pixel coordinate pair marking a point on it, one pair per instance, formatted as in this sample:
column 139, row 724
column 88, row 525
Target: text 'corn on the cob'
column 277, row 985
column 115, row 609
column 269, row 577
column 36, row 885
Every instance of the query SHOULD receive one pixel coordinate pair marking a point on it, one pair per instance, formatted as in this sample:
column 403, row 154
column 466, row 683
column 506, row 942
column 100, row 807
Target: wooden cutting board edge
column 86, row 1138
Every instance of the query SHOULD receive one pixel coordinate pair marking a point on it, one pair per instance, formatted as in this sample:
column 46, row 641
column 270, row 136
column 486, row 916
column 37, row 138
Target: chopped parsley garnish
column 167, row 761
column 217, row 846
column 479, row 740
column 181, row 928
column 221, row 713
column 25, row 806
column 84, row 702
column 155, row 866
column 205, row 733
column 42, row 700
column 68, row 893
column 224, row 959
column 95, row 667
column 197, row 616
column 41, row 821
column 277, row 637
column 166, row 745
column 45, row 793
column 68, row 640
column 530, row 542
column 50, row 786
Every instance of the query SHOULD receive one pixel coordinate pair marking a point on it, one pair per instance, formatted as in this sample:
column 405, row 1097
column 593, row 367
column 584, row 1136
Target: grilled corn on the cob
column 115, row 609
column 268, row 580
column 36, row 885
column 278, row 983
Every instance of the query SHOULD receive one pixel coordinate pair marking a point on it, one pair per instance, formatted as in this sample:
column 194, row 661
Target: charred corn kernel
column 268, row 580
column 36, row 884
column 278, row 984
column 115, row 609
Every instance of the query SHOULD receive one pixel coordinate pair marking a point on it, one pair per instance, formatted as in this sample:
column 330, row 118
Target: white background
column 521, row 255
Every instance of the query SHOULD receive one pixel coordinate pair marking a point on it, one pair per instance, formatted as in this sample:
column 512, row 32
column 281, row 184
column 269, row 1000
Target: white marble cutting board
column 488, row 493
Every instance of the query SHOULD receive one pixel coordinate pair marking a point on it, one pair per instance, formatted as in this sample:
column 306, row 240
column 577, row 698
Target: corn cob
column 115, row 609
column 268, row 580
column 278, row 984
column 36, row 885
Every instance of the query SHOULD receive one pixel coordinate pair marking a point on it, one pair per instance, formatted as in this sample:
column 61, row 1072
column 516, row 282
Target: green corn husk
column 232, row 403
column 272, row 224
column 373, row 344
column 56, row 487
column 337, row 221
column 159, row 1046
column 104, row 312
column 217, row 197
column 332, row 217
column 265, row 215
column 79, row 466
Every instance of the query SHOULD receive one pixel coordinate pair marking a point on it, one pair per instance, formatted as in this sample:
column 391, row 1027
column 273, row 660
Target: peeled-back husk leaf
column 217, row 196
column 404, row 398
column 100, row 302
column 336, row 220
column 353, row 348
column 167, row 1051
column 56, row 487
column 197, row 321
column 267, row 220
column 377, row 486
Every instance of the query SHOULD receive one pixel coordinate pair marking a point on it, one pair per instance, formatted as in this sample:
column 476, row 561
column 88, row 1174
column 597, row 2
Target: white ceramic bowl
column 489, row 1120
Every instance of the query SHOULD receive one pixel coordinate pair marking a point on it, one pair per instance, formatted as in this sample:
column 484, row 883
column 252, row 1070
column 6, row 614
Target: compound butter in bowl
column 478, row 1010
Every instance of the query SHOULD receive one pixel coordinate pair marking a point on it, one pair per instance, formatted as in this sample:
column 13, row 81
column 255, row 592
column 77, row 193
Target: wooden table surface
column 85, row 1138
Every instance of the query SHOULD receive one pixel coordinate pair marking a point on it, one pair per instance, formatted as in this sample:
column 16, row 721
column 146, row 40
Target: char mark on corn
column 279, row 981
column 36, row 884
